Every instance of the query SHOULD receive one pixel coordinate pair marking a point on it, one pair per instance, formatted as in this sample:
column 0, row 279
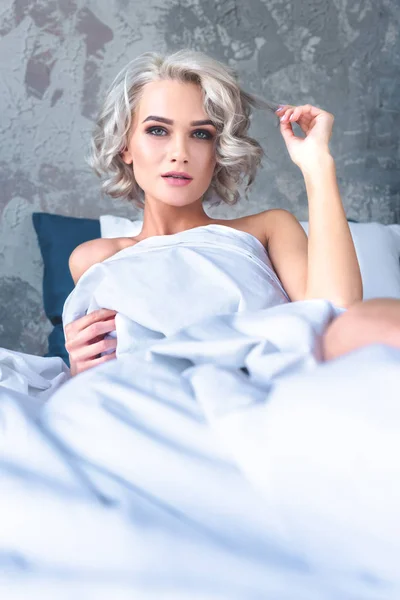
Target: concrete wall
column 57, row 57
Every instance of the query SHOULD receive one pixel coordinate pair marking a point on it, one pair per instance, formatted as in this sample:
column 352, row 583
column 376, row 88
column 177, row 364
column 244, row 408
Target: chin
column 178, row 199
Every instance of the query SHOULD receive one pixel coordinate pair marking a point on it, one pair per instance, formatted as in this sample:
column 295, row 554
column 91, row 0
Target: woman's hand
column 316, row 124
column 85, row 340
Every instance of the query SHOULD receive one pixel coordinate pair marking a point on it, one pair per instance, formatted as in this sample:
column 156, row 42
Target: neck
column 163, row 219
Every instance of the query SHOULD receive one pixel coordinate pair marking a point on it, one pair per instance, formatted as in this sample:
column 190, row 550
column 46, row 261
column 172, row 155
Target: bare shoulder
column 89, row 253
column 285, row 240
column 274, row 219
column 260, row 225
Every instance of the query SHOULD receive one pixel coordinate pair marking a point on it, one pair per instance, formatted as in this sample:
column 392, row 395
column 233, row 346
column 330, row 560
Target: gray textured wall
column 58, row 56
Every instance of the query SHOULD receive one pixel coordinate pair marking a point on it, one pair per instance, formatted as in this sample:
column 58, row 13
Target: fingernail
column 279, row 109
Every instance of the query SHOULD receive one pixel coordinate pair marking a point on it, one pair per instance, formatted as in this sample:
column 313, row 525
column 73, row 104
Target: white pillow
column 377, row 248
column 378, row 253
column 112, row 226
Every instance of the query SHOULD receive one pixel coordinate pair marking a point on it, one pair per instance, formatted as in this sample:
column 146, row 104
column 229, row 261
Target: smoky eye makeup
column 201, row 134
column 205, row 134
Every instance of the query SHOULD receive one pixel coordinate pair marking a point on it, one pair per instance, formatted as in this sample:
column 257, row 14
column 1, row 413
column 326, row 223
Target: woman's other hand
column 85, row 340
column 317, row 126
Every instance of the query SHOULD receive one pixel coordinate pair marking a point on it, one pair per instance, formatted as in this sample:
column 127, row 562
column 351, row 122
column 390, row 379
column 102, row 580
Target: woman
column 172, row 132
column 215, row 454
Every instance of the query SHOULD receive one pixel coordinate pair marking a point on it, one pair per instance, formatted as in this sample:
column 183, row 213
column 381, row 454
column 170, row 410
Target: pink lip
column 177, row 182
column 181, row 173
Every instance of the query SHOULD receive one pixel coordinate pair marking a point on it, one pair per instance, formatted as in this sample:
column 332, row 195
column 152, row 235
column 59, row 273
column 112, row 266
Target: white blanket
column 217, row 457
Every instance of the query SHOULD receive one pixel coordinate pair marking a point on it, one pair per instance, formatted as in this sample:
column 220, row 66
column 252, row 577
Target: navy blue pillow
column 58, row 236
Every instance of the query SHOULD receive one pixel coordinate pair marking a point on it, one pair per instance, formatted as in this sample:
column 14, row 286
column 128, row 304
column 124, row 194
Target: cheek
column 206, row 157
column 145, row 152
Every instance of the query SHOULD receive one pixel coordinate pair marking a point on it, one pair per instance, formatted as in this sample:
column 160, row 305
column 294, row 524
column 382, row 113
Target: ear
column 126, row 156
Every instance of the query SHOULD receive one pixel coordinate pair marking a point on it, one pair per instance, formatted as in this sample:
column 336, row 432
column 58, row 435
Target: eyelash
column 209, row 135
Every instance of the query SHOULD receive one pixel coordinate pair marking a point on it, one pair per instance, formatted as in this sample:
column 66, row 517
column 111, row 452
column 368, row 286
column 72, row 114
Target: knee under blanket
column 216, row 457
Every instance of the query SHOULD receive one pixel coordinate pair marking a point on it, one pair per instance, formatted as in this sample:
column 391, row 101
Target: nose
column 179, row 151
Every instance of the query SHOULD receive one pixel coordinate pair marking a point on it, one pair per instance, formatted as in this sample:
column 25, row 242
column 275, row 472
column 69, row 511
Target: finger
column 285, row 123
column 287, row 131
column 293, row 113
column 94, row 350
column 311, row 111
column 296, row 113
column 281, row 113
column 308, row 116
column 103, row 359
column 86, row 320
column 302, row 119
column 282, row 108
column 284, row 117
column 84, row 366
column 91, row 334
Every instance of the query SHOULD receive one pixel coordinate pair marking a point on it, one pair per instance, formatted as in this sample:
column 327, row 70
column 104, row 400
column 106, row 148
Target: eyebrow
column 170, row 121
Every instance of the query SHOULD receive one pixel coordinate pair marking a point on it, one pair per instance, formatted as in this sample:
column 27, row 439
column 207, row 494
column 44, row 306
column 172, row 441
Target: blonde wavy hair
column 229, row 107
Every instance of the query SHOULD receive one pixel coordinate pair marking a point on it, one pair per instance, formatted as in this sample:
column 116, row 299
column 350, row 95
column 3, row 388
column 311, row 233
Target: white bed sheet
column 217, row 457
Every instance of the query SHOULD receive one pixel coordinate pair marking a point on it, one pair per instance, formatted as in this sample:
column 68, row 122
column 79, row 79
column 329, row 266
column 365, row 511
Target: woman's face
column 157, row 147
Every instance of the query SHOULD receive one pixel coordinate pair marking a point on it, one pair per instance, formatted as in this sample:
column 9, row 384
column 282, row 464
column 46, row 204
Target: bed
column 217, row 457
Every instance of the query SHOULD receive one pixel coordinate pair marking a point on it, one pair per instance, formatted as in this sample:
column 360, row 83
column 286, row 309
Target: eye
column 152, row 129
column 208, row 135
column 204, row 134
